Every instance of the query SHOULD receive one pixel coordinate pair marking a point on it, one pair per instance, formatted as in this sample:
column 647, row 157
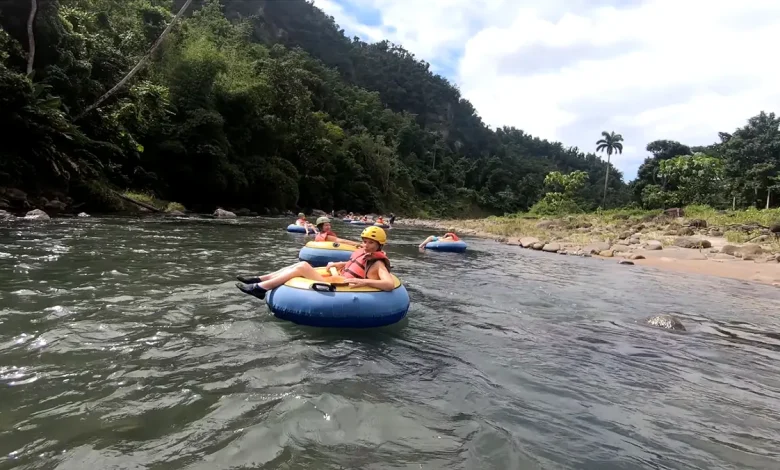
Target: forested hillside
column 231, row 112
column 262, row 104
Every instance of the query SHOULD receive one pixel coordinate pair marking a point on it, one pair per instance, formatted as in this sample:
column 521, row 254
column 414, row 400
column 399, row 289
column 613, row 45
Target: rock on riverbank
column 14, row 200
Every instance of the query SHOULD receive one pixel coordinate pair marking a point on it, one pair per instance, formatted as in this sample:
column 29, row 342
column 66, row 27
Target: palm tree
column 611, row 143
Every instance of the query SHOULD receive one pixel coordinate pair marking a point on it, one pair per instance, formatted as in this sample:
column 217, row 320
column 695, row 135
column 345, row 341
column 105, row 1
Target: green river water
column 125, row 345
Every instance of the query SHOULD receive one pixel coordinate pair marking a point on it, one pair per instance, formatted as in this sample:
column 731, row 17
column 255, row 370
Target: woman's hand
column 357, row 282
column 327, row 272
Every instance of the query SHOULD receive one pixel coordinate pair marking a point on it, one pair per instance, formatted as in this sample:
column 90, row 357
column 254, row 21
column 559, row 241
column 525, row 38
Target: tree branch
column 31, row 36
column 139, row 65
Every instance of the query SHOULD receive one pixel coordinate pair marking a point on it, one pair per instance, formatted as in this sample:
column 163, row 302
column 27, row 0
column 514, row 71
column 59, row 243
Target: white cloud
column 350, row 23
column 409, row 23
column 566, row 70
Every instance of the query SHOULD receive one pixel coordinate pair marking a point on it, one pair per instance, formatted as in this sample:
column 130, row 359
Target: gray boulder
column 666, row 321
column 37, row 214
column 692, row 243
column 55, row 206
column 223, row 214
column 596, row 248
column 529, row 242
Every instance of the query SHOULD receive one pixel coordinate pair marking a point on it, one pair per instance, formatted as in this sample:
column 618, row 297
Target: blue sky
column 568, row 69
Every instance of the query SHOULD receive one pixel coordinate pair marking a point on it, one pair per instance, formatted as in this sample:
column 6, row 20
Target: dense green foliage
column 740, row 171
column 696, row 179
column 264, row 105
column 268, row 105
column 561, row 196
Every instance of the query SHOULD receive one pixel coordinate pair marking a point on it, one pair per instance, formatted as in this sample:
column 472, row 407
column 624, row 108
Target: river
column 125, row 345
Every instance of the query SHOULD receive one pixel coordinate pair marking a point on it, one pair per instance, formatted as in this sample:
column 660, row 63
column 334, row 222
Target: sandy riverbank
column 674, row 244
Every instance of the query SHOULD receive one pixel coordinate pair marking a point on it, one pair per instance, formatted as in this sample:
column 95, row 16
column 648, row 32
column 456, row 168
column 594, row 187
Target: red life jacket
column 360, row 262
column 323, row 236
column 453, row 236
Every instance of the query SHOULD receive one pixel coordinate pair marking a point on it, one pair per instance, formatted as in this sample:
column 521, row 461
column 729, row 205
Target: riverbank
column 100, row 199
column 742, row 249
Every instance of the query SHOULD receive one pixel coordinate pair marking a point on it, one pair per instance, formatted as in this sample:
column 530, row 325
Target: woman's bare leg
column 266, row 277
column 427, row 240
column 276, row 279
column 263, row 277
column 302, row 269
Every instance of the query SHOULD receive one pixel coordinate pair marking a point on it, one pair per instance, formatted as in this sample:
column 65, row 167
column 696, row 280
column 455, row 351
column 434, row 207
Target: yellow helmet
column 376, row 234
column 451, row 229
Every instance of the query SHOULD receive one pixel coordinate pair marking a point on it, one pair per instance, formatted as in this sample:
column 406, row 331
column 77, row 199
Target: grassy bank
column 150, row 200
column 737, row 227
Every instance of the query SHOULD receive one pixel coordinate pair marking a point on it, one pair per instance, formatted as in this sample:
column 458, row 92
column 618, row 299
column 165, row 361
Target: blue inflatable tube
column 346, row 220
column 358, row 222
column 320, row 304
column 297, row 229
column 319, row 254
column 451, row 247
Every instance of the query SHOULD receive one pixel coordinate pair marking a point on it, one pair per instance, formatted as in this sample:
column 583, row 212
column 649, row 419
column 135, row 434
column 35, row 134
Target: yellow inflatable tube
column 319, row 254
column 331, row 246
column 303, row 283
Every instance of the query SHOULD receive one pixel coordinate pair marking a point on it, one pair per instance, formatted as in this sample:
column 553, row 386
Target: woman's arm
column 344, row 241
column 385, row 281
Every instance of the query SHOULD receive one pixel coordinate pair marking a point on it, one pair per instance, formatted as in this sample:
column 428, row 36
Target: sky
column 566, row 70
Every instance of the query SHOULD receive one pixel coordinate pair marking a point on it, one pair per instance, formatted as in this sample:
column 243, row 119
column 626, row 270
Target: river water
column 125, row 345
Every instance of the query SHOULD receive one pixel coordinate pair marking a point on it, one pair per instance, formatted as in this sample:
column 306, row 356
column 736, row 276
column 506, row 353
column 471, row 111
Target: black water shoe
column 252, row 289
column 248, row 280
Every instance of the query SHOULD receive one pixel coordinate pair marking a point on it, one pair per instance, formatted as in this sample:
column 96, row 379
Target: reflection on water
column 123, row 344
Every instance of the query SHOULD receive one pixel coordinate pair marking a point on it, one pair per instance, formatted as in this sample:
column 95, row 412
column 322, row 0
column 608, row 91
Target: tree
column 698, row 178
column 31, row 36
column 762, row 176
column 140, row 63
column 610, row 143
column 752, row 157
column 568, row 185
column 647, row 174
column 561, row 193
